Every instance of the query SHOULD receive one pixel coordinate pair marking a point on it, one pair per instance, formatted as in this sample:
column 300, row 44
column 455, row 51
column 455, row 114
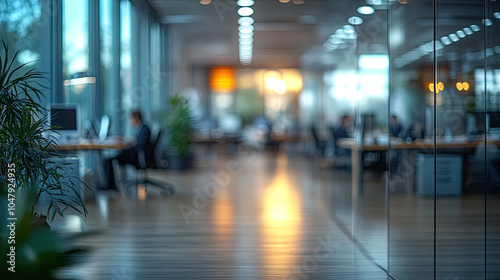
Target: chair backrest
column 153, row 151
column 334, row 139
column 315, row 134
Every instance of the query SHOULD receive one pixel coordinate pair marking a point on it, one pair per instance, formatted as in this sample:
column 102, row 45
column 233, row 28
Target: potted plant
column 22, row 125
column 179, row 129
column 26, row 172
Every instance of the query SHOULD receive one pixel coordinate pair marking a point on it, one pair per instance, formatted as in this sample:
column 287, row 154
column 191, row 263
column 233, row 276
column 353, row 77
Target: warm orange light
column 205, row 2
column 431, row 87
column 463, row 86
column 222, row 79
column 293, row 80
column 281, row 221
column 441, row 86
column 141, row 192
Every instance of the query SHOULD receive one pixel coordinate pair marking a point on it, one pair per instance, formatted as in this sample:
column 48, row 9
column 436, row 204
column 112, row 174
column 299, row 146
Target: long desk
column 423, row 145
column 90, row 146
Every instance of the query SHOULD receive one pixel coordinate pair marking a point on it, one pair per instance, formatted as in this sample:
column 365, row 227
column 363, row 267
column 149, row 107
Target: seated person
column 342, row 131
column 129, row 156
column 395, row 127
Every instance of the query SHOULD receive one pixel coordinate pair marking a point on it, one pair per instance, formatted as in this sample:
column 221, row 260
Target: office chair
column 147, row 158
column 341, row 157
column 319, row 144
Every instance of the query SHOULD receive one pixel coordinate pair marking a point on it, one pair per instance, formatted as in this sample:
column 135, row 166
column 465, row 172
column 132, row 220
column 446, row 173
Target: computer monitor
column 67, row 119
column 104, row 127
column 493, row 120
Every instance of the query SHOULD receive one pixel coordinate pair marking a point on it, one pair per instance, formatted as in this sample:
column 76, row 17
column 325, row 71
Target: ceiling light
column 487, row 22
column 245, row 3
column 284, row 1
column 474, row 28
column 374, row 2
column 298, row 2
column 205, row 2
column 335, row 40
column 445, row 40
column 245, row 35
column 245, row 40
column 438, row 45
column 348, row 29
column 245, row 11
column 355, row 20
column 246, row 28
column 454, row 37
column 468, row 31
column 245, row 21
column 497, row 15
column 365, row 10
column 461, row 34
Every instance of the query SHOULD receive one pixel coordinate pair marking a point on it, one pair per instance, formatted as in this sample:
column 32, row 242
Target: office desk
column 418, row 145
column 422, row 145
column 90, row 146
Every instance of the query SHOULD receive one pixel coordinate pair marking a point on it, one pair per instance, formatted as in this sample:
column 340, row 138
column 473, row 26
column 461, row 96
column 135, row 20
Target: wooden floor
column 269, row 216
column 252, row 216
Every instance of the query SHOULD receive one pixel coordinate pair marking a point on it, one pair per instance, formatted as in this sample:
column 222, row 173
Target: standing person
column 129, row 156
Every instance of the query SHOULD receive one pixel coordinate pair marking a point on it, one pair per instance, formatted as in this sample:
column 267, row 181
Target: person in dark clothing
column 343, row 130
column 129, row 156
column 395, row 127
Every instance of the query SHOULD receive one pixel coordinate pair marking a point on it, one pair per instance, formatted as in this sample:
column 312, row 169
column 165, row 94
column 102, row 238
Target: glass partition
column 411, row 152
column 460, row 204
column 490, row 89
column 108, row 91
column 79, row 84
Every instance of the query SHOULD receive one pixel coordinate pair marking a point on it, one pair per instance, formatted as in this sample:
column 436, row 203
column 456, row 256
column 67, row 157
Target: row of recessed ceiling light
column 245, row 31
column 298, row 2
column 347, row 32
column 427, row 48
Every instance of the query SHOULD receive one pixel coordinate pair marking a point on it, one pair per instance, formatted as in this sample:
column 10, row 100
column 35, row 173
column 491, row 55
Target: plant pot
column 179, row 162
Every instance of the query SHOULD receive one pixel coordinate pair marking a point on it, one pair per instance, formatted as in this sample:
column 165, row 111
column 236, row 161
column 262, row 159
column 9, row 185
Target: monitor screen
column 494, row 120
column 65, row 117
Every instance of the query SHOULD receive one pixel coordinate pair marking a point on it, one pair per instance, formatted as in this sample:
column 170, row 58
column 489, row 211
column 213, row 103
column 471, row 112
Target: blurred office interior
column 373, row 125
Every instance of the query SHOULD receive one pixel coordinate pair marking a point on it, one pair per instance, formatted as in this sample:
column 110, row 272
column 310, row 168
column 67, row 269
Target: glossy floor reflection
column 251, row 216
